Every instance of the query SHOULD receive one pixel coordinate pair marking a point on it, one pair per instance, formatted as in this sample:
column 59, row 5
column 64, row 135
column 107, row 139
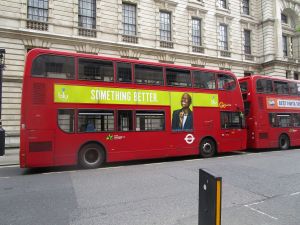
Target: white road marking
column 4, row 177
column 296, row 193
column 9, row 166
column 258, row 211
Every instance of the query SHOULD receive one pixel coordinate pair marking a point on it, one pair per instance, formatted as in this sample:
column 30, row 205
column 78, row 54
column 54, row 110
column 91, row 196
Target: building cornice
column 47, row 37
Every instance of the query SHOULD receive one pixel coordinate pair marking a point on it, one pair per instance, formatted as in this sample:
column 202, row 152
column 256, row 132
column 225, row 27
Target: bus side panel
column 40, row 148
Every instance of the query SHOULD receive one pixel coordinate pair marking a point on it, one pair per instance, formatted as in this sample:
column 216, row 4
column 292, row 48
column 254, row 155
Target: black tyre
column 207, row 148
column 91, row 156
column 284, row 142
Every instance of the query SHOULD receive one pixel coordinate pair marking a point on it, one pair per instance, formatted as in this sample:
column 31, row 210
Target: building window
column 196, row 32
column 284, row 18
column 285, row 45
column 223, row 4
column 87, row 14
column 129, row 19
column 223, row 37
column 165, row 26
column 246, row 7
column 296, row 76
column 38, row 10
column 37, row 14
column 247, row 42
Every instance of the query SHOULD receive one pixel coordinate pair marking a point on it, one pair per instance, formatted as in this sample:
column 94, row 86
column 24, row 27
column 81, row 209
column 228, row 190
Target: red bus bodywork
column 265, row 109
column 44, row 144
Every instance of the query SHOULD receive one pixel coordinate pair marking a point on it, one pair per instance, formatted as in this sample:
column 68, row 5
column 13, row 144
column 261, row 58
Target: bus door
column 232, row 132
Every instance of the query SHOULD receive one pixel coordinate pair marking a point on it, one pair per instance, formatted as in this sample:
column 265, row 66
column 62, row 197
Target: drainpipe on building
column 2, row 131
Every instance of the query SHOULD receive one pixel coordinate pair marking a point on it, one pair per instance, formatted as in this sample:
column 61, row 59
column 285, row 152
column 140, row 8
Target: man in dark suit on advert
column 183, row 118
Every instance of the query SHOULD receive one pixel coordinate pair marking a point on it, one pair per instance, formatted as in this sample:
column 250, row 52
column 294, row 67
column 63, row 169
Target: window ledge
column 224, row 53
column 198, row 49
column 166, row 44
column 130, row 39
column 37, row 25
column 87, row 32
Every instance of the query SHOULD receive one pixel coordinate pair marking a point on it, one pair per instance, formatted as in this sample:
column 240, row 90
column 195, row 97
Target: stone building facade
column 244, row 36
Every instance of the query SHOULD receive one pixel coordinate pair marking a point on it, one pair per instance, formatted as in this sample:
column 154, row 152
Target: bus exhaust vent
column 39, row 93
column 44, row 146
column 263, row 135
column 260, row 103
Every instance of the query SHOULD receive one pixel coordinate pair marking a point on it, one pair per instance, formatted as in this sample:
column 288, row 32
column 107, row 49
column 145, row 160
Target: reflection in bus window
column 125, row 120
column 150, row 120
column 284, row 120
column 177, row 77
column 96, row 70
column 293, row 88
column 281, row 87
column 204, row 80
column 272, row 119
column 124, row 72
column 148, row 75
column 244, row 86
column 226, row 82
column 264, row 86
column 95, row 120
column 53, row 67
column 66, row 120
column 296, row 119
column 231, row 120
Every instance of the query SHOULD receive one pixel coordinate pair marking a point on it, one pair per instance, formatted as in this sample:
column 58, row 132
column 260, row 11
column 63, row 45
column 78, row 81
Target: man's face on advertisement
column 185, row 101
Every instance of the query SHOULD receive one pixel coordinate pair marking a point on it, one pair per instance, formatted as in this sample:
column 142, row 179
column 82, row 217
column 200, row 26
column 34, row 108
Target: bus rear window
column 96, row 70
column 53, row 66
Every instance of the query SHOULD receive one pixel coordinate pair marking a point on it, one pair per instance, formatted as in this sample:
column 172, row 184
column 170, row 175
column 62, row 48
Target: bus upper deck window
column 204, row 80
column 90, row 69
column 281, row 87
column 149, row 75
column 226, row 82
column 181, row 78
column 124, row 72
column 53, row 66
column 293, row 88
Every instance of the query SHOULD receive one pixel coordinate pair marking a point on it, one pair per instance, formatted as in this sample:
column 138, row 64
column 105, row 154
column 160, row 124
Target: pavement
column 11, row 157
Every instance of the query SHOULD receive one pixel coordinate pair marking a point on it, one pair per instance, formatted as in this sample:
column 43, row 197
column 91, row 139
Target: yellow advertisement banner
column 127, row 96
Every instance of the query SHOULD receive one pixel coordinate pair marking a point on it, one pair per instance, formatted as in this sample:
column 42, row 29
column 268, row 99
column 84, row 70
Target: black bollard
column 210, row 190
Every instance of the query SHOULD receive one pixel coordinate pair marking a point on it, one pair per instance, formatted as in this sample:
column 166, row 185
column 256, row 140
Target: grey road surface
column 258, row 189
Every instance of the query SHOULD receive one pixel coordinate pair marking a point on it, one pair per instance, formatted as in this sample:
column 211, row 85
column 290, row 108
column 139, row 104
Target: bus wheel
column 207, row 148
column 284, row 142
column 91, row 156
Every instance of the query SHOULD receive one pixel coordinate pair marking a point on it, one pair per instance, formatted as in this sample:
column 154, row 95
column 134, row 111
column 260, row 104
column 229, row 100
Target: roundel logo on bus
column 189, row 138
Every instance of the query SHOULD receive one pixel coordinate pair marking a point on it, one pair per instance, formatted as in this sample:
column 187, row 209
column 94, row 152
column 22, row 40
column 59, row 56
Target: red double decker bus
column 90, row 109
column 272, row 111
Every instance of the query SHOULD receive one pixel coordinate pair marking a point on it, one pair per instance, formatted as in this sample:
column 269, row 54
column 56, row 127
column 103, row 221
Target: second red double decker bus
column 88, row 109
column 272, row 111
